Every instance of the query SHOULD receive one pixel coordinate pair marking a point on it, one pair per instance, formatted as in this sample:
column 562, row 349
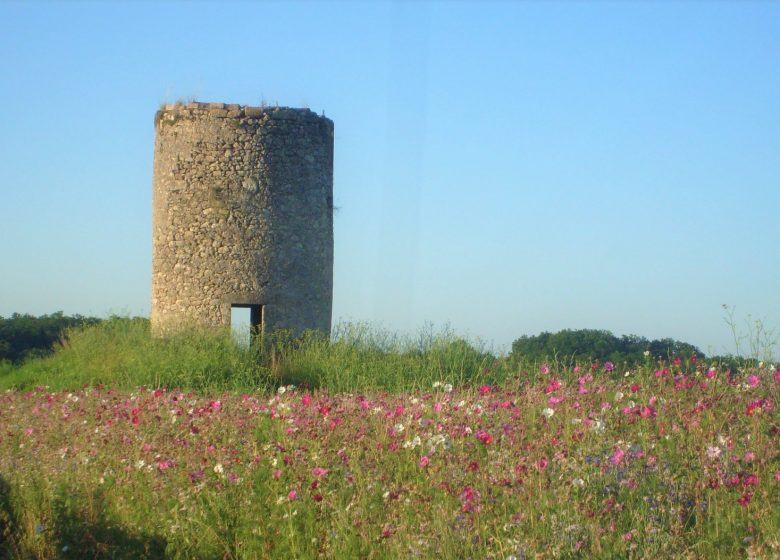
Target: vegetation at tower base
column 590, row 344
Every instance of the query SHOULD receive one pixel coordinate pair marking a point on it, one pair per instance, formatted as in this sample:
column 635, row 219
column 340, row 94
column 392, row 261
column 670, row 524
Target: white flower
column 398, row 428
column 548, row 412
column 436, row 384
column 578, row 482
column 646, row 353
column 618, row 396
column 281, row 390
column 713, row 452
column 218, row 468
column 447, row 388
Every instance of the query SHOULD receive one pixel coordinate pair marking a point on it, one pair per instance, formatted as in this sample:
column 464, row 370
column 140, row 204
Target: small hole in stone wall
column 246, row 323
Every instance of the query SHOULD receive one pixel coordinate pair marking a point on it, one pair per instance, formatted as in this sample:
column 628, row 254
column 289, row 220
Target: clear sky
column 502, row 168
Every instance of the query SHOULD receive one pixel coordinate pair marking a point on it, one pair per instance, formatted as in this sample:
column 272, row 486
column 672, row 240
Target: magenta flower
column 424, row 460
column 647, row 412
column 484, row 437
column 545, row 369
column 292, row 495
column 319, row 471
column 554, row 385
column 777, row 375
column 617, row 457
column 753, row 380
column 609, row 366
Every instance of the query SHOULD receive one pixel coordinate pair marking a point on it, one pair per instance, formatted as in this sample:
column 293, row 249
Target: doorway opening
column 246, row 323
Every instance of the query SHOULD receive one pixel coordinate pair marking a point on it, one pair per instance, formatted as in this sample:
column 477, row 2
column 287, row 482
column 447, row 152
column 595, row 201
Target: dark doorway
column 246, row 322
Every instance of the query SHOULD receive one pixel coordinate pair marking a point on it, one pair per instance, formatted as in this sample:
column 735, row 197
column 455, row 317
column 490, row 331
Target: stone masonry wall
column 242, row 214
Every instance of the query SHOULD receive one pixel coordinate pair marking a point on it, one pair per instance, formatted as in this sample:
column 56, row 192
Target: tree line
column 598, row 345
column 24, row 336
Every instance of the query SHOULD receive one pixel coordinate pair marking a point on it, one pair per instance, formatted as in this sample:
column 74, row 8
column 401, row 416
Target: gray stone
column 251, row 193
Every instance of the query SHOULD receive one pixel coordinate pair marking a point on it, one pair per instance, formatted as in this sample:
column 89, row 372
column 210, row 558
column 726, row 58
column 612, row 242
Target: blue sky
column 502, row 168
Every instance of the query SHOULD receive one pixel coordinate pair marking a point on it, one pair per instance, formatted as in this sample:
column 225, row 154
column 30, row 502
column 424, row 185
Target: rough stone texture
column 242, row 214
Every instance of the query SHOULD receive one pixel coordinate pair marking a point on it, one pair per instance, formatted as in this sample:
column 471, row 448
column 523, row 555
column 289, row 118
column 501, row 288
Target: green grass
column 121, row 353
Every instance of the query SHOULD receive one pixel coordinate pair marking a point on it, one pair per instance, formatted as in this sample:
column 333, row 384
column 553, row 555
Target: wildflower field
column 675, row 458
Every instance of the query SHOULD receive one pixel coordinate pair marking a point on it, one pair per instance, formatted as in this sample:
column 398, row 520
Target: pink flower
column 306, row 399
column 777, row 476
column 424, row 460
column 552, row 386
column 751, row 480
column 318, row 471
column 777, row 375
column 711, row 373
column 750, row 456
column 277, row 473
column 753, row 380
column 542, row 463
column 609, row 366
column 617, row 457
column 745, row 499
column 484, row 390
column 215, row 405
column 545, row 369
column 484, row 437
column 437, row 407
column 755, row 406
column 292, row 495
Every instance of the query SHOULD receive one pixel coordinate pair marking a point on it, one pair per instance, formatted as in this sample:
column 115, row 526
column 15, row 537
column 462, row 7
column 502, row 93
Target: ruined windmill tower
column 242, row 217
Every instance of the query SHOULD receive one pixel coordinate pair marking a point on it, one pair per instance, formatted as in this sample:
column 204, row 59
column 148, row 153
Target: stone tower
column 242, row 216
